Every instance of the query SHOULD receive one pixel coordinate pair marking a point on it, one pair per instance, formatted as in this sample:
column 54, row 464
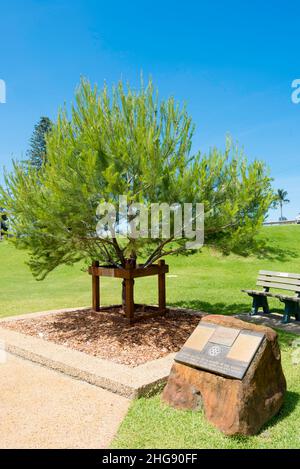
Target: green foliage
column 128, row 143
column 37, row 153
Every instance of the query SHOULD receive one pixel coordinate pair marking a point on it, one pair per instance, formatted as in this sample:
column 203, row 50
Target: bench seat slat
column 279, row 280
column 282, row 275
column 289, row 298
column 261, row 293
column 256, row 292
column 280, row 286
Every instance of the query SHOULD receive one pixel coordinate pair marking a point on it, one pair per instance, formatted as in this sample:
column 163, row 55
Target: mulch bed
column 105, row 335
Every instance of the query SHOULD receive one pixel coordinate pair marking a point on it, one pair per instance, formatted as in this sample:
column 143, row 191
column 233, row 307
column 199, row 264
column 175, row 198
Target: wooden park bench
column 279, row 281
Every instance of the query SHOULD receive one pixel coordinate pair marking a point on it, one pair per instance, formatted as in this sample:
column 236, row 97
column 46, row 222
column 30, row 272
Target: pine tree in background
column 3, row 223
column 37, row 151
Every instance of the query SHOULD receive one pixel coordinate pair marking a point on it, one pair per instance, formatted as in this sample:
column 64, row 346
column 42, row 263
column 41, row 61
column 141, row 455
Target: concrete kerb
column 135, row 382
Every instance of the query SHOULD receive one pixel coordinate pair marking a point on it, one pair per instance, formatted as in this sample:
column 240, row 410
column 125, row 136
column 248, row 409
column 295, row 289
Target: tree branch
column 149, row 261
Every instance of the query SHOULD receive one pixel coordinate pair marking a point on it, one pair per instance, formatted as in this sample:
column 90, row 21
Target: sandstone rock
column 232, row 405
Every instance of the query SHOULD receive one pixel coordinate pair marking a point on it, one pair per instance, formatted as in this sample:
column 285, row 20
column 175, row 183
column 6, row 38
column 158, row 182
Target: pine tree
column 127, row 142
column 37, row 153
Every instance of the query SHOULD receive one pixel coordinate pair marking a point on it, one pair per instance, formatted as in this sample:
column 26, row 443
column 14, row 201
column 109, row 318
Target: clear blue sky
column 232, row 62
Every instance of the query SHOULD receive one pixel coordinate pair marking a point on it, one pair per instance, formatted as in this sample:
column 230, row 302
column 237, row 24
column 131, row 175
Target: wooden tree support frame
column 128, row 274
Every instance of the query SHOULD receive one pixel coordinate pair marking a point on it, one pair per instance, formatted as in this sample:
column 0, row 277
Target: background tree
column 3, row 223
column 281, row 198
column 37, row 153
column 129, row 143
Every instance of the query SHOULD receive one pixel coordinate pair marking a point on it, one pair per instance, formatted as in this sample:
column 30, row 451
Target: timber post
column 128, row 273
column 95, row 287
column 130, row 264
column 162, row 288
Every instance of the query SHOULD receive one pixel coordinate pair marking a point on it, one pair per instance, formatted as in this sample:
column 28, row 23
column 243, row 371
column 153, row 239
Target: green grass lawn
column 207, row 281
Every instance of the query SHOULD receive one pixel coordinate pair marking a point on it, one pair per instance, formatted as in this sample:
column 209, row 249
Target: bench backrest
column 280, row 280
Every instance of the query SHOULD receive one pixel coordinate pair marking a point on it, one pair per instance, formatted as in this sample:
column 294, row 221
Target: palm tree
column 282, row 199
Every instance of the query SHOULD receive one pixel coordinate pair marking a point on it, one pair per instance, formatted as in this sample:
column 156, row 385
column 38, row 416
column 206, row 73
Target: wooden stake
column 96, row 288
column 161, row 288
column 129, row 294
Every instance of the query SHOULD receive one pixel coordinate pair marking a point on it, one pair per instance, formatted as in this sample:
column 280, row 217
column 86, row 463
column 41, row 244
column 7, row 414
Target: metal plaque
column 223, row 350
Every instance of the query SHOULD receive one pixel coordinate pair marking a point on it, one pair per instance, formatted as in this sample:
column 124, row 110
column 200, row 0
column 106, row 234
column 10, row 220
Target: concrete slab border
column 135, row 382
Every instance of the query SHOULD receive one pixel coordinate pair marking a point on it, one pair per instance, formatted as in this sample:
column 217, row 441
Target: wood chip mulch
column 105, row 335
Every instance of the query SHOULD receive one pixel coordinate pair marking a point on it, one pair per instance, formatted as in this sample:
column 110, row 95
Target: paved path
column 42, row 408
column 272, row 320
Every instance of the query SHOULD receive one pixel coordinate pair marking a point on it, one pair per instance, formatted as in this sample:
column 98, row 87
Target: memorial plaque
column 223, row 350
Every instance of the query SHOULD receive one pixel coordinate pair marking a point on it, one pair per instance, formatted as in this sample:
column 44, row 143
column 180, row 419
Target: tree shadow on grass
column 223, row 308
column 276, row 254
column 264, row 250
column 214, row 308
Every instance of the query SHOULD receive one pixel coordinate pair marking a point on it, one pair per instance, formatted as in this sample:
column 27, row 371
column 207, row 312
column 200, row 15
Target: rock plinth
column 235, row 406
